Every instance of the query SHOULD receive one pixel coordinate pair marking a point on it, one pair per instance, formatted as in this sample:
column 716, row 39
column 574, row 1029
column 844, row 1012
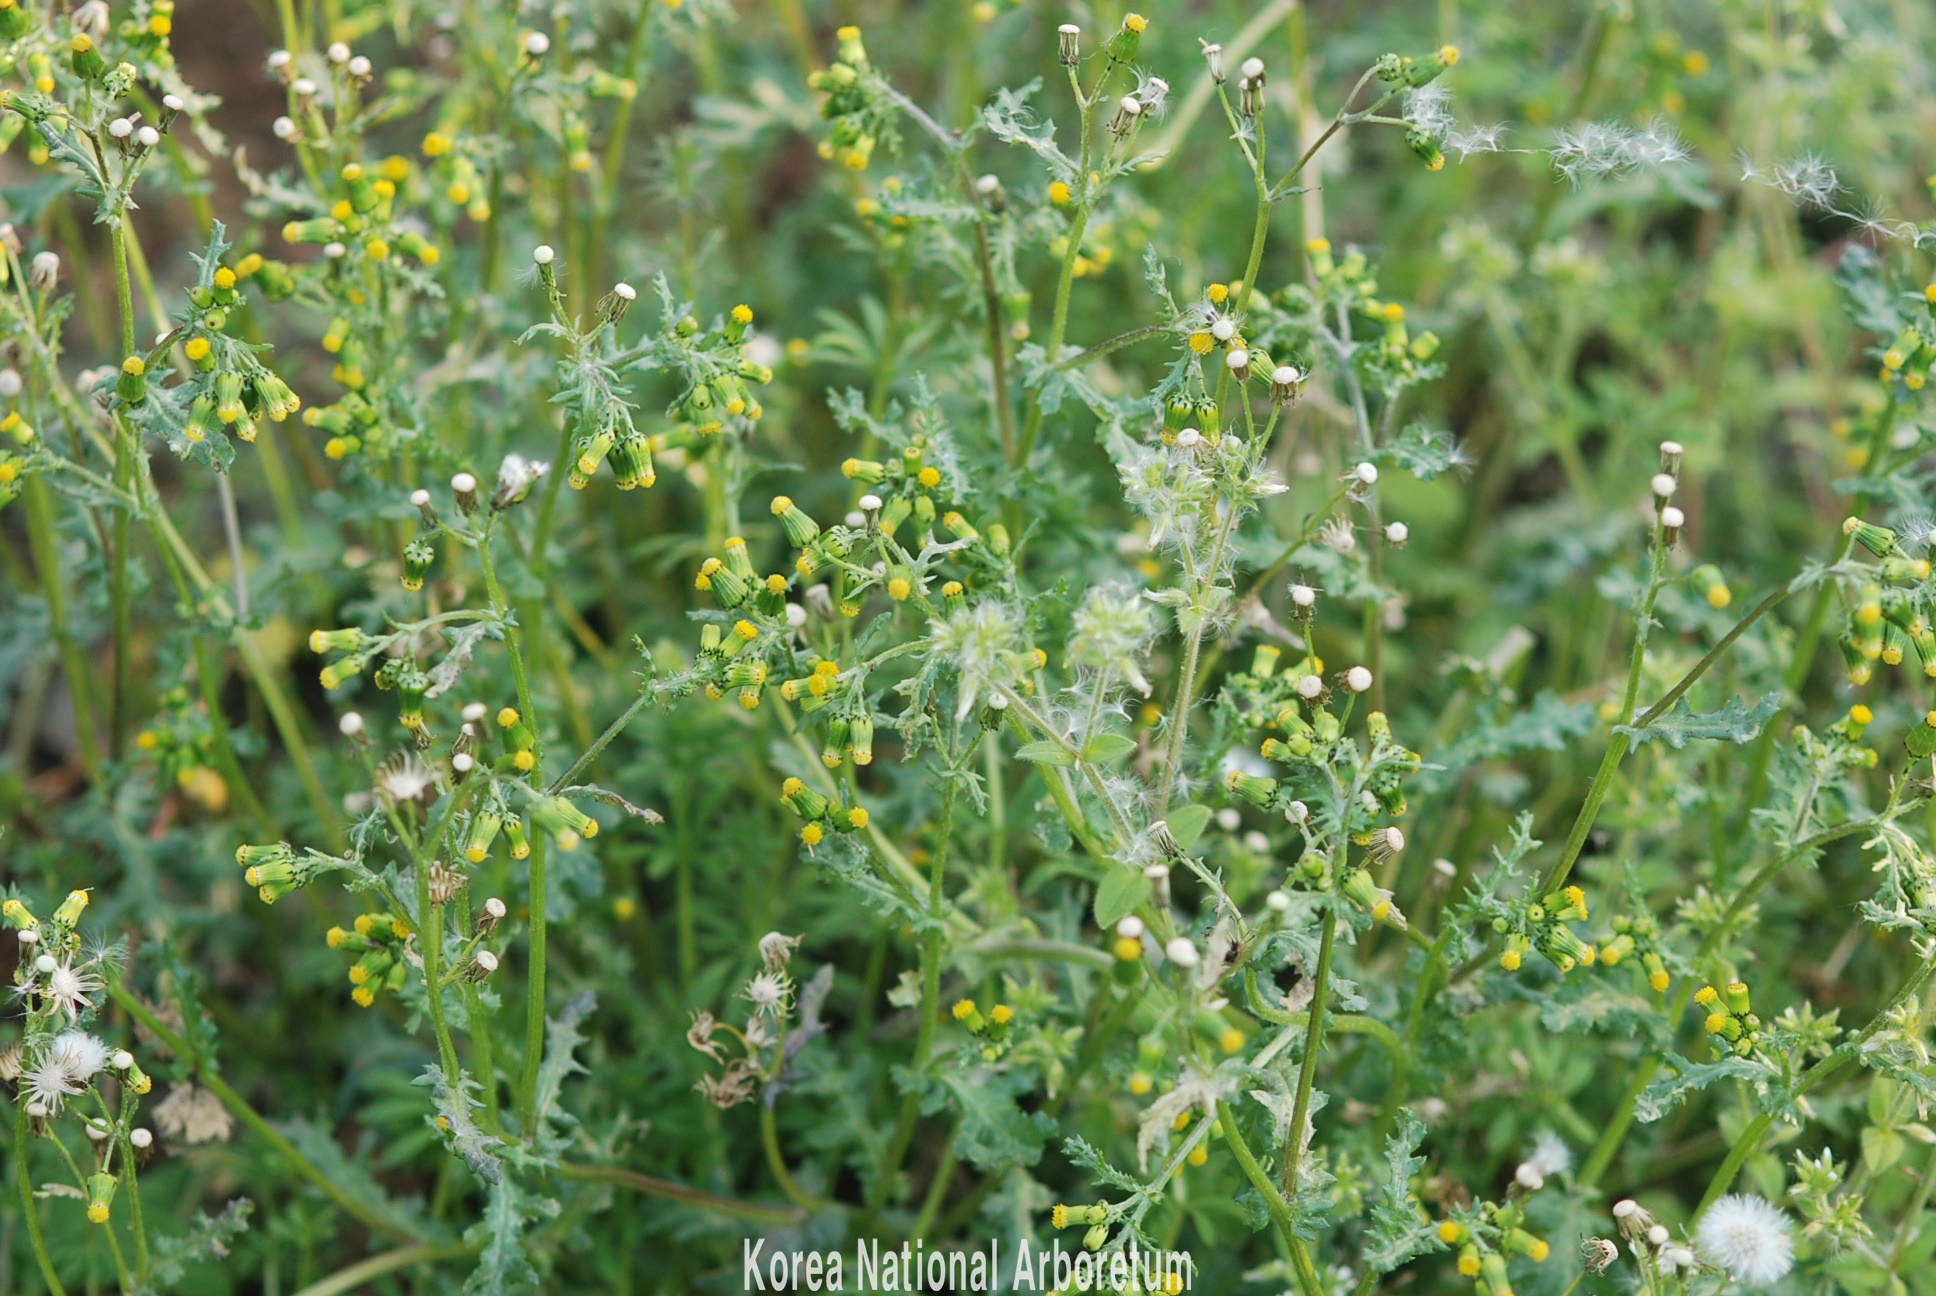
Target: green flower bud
column 632, row 461
column 418, row 558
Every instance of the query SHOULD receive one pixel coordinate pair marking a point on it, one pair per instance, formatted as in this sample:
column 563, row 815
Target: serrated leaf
column 503, row 1268
column 1423, row 452
column 208, row 1239
column 353, row 1177
column 1045, row 753
column 1400, row 1228
column 1107, row 747
column 1122, row 890
column 1081, row 1153
column 1684, row 1077
column 1734, row 723
column 991, row 1132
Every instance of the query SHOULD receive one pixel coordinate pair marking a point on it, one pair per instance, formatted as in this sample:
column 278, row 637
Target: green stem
column 121, row 609
column 1313, row 1041
column 592, row 753
column 621, row 128
column 944, row 1172
column 1280, row 1211
column 80, row 687
column 142, row 1261
column 930, row 996
column 248, row 1115
column 289, row 726
column 770, row 1140
column 433, row 961
column 1179, row 718
column 534, row 1008
column 1617, row 746
column 483, row 1055
column 29, row 1207
column 1623, row 1115
column 225, row 756
column 667, row 1190
column 1751, row 1137
column 374, row 1267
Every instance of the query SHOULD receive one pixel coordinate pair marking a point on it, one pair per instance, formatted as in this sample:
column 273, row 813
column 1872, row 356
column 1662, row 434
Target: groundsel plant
column 1172, row 595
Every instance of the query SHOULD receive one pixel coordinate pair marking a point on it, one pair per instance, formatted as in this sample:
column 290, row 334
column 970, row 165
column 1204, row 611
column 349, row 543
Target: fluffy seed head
column 1747, row 1237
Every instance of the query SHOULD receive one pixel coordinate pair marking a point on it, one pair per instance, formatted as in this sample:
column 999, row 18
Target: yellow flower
column 1001, row 1014
column 1058, row 193
column 963, row 1009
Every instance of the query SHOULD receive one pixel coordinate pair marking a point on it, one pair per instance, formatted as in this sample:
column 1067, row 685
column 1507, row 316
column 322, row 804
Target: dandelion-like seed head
column 770, row 993
column 982, row 641
column 69, row 989
column 1111, row 629
column 403, row 778
column 1747, row 1237
column 1550, row 1156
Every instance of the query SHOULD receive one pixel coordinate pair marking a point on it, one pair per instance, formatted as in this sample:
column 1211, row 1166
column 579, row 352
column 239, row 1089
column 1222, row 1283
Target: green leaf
column 503, row 1268
column 207, row 1240
column 1684, row 1077
column 1400, row 1228
column 1881, row 1149
column 1045, row 752
column 991, row 1132
column 1424, row 452
column 1732, row 723
column 1187, row 824
column 353, row 1176
column 1122, row 890
column 1106, row 747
